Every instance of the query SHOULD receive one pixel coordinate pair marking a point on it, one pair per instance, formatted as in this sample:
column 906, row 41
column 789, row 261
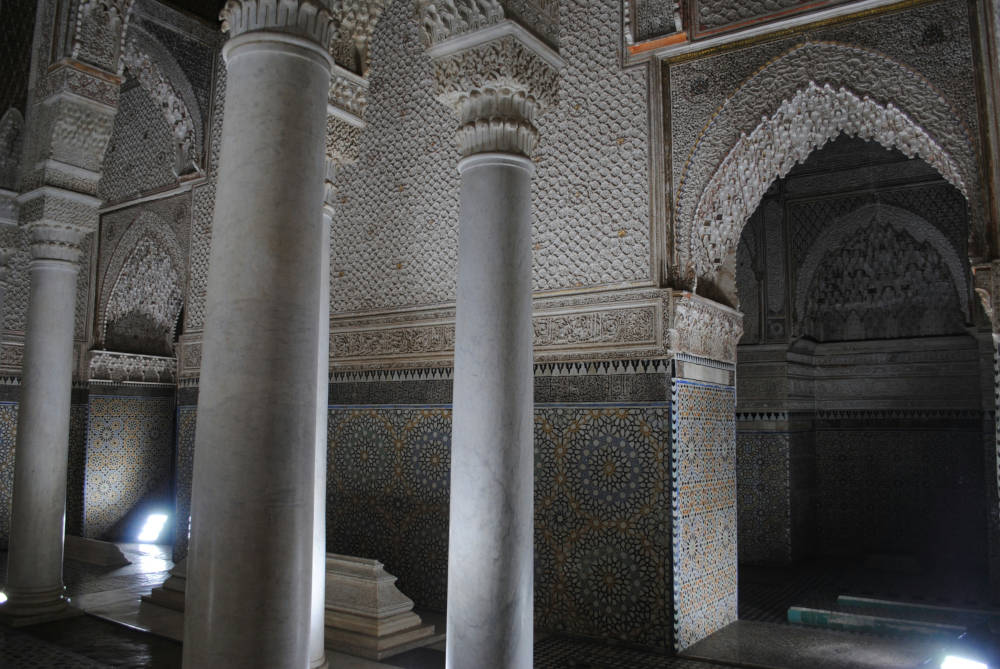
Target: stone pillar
column 38, row 509
column 496, row 80
column 252, row 534
column 317, row 606
column 70, row 114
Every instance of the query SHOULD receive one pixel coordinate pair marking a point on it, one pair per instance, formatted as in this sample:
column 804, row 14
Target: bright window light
column 154, row 525
column 3, row 597
column 955, row 662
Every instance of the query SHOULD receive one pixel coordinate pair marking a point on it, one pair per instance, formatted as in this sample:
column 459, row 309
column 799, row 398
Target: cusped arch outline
column 159, row 74
column 798, row 88
column 147, row 226
column 902, row 220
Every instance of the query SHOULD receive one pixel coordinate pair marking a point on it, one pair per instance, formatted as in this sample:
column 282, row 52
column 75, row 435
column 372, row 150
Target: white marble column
column 490, row 543
column 252, row 537
column 38, row 510
column 317, row 607
column 496, row 80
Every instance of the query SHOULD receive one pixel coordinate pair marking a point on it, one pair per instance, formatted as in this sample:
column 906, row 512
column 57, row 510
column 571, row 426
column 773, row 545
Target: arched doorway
column 863, row 388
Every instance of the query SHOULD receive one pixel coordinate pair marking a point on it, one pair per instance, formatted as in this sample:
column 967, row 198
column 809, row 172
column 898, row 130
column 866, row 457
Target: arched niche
column 142, row 290
column 792, row 106
column 909, row 227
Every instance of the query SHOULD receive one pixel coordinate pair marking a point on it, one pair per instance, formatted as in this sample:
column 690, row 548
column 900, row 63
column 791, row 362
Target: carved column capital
column 309, row 19
column 497, row 81
column 57, row 221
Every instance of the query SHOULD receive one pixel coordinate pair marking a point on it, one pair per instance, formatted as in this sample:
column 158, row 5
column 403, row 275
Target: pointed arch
column 145, row 276
column 793, row 105
column 162, row 78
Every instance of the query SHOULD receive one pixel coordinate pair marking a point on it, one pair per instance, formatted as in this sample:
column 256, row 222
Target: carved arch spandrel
column 159, row 74
column 793, row 105
column 148, row 228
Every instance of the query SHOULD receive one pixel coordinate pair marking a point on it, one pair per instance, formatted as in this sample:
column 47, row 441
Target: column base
column 320, row 663
column 22, row 611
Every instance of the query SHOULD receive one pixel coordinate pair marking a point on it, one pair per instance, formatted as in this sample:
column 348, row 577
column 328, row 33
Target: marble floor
column 145, row 636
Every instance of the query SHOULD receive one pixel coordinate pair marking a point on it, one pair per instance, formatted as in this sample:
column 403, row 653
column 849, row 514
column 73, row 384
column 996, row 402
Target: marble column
column 252, row 534
column 317, row 606
column 496, row 80
column 38, row 508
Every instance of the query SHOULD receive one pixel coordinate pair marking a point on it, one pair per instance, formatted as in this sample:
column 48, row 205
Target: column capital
column 496, row 80
column 57, row 221
column 309, row 19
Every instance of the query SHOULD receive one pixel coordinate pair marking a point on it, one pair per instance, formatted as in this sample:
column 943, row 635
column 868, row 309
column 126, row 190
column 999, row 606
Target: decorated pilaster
column 497, row 77
column 75, row 80
column 250, row 567
column 703, row 336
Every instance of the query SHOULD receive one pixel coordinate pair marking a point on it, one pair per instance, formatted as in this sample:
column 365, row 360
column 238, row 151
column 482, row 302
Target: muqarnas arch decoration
column 143, row 290
column 881, row 272
column 791, row 107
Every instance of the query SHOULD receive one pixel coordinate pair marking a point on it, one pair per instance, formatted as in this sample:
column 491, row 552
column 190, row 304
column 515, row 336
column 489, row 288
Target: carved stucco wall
column 394, row 243
column 162, row 227
column 140, row 155
column 713, row 16
column 919, row 60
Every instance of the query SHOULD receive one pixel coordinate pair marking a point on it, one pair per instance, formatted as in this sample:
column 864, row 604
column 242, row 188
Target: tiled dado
column 602, row 514
column 187, row 412
column 77, row 455
column 704, row 509
column 129, row 454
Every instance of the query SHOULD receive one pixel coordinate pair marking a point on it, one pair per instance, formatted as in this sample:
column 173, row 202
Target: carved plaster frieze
column 618, row 325
column 120, row 367
column 99, row 34
column 342, row 140
column 348, row 92
column 441, row 20
column 309, row 19
column 11, row 356
column 496, row 87
column 704, row 328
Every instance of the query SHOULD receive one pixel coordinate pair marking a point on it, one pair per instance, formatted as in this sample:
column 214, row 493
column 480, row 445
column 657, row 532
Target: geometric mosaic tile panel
column 8, row 434
column 130, row 449
column 183, row 473
column 866, row 505
column 602, row 522
column 764, row 496
column 703, row 463
column 75, row 467
column 387, row 493
column 602, row 515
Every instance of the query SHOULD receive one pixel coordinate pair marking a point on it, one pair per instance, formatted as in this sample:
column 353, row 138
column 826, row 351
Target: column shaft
column 251, row 562
column 317, row 629
column 490, row 554
column 38, row 515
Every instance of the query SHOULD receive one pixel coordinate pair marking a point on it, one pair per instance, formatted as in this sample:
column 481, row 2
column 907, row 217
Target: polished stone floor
column 761, row 639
